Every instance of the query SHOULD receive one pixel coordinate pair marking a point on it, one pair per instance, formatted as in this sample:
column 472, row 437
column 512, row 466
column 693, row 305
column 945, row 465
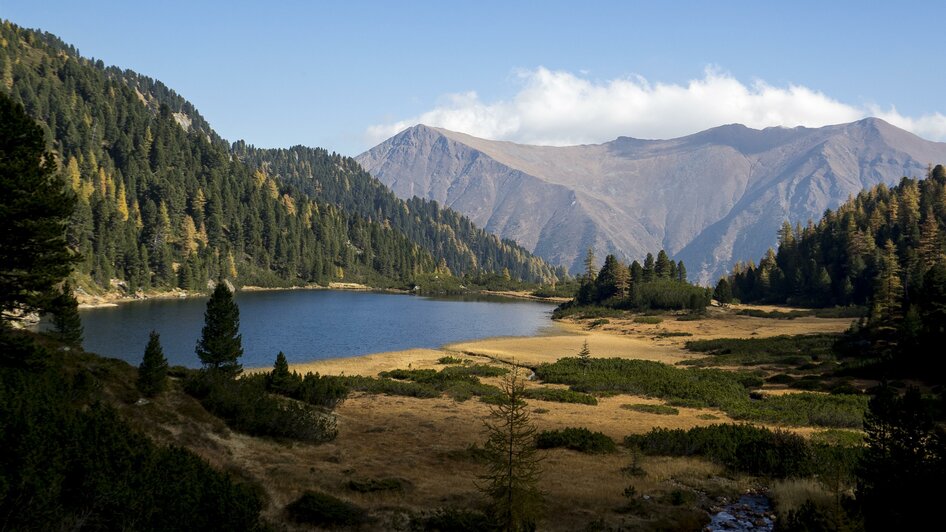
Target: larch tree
column 221, row 343
column 513, row 471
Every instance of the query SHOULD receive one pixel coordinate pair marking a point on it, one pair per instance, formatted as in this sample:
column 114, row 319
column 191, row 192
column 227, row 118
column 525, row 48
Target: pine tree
column 513, row 467
column 34, row 211
column 681, row 272
column 723, row 292
column 67, row 325
column 648, row 268
column 662, row 265
column 280, row 379
column 221, row 344
column 584, row 356
column 152, row 373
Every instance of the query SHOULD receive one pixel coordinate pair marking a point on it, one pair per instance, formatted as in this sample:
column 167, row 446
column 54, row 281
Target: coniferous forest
column 163, row 202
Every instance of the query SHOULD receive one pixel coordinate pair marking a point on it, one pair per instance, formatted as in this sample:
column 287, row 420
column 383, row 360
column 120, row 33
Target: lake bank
column 433, row 437
column 114, row 298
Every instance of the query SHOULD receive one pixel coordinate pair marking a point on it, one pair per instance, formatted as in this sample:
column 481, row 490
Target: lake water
column 310, row 324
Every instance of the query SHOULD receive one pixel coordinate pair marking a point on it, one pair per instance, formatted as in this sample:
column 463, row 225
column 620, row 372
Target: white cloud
column 560, row 108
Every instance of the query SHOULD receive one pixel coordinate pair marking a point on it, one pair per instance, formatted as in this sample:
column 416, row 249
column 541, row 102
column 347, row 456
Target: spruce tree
column 152, row 373
column 221, row 344
column 280, row 379
column 723, row 292
column 662, row 265
column 67, row 325
column 584, row 356
column 513, row 467
column 34, row 211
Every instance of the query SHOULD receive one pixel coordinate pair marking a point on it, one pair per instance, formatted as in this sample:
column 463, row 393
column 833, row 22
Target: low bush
column 598, row 323
column 373, row 485
column 246, row 407
column 324, row 510
column 449, row 360
column 672, row 334
column 452, row 520
column 648, row 320
column 740, row 448
column 701, row 388
column 559, row 395
column 576, row 439
column 652, row 409
column 459, row 382
column 789, row 350
column 70, row 461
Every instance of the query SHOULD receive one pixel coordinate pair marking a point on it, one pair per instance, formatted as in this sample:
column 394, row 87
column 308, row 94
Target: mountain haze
column 709, row 198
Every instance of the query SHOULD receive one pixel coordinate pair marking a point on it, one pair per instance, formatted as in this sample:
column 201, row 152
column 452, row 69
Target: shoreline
column 115, row 299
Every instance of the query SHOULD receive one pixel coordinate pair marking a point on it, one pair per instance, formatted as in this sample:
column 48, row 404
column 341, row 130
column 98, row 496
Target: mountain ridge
column 709, row 198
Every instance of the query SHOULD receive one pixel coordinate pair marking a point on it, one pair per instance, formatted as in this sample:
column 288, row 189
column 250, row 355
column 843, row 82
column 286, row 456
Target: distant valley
column 710, row 199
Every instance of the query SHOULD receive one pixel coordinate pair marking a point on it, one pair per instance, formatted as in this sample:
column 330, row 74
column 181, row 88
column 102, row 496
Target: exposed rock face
column 709, row 199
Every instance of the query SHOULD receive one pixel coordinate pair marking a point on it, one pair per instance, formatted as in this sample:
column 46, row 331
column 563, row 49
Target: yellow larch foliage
column 259, row 177
column 121, row 202
column 289, row 203
column 188, row 235
column 231, row 265
column 73, row 177
column 272, row 189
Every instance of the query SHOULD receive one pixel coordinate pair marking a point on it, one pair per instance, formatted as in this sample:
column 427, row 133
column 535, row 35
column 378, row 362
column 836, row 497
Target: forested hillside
column 883, row 249
column 883, row 233
column 162, row 202
column 331, row 178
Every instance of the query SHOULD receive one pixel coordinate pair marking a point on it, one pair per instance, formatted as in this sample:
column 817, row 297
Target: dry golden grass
column 423, row 441
column 789, row 494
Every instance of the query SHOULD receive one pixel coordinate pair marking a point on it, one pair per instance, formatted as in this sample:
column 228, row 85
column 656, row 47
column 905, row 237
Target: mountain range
column 709, row 199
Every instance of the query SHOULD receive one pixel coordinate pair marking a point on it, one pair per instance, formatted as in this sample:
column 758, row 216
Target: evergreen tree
column 153, row 370
column 901, row 471
column 681, row 272
column 513, row 467
column 584, row 356
column 648, row 272
column 220, row 344
column 662, row 265
column 67, row 325
column 723, row 292
column 280, row 379
column 591, row 268
column 608, row 280
column 34, row 211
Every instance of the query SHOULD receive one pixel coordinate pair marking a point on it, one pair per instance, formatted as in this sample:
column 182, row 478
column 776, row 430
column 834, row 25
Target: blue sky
column 344, row 75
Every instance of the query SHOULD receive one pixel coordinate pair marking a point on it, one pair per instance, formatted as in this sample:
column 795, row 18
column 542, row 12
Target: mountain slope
column 706, row 198
column 164, row 202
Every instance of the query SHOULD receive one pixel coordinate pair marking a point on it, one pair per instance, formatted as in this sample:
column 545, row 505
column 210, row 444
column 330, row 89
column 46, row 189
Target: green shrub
column 672, row 334
column 648, row 320
column 459, row 382
column 701, row 388
column 781, row 378
column 322, row 509
column 789, row 350
column 652, row 409
column 245, row 406
column 69, row 460
column 598, row 323
column 741, row 448
column 559, row 395
column 452, row 520
column 373, row 485
column 576, row 439
column 449, row 360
